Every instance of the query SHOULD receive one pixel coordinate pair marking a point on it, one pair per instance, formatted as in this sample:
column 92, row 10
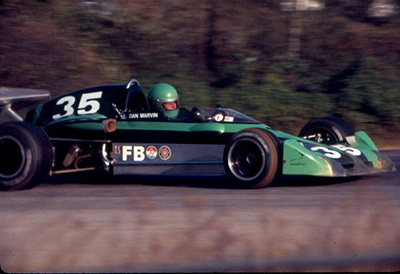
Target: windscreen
column 229, row 115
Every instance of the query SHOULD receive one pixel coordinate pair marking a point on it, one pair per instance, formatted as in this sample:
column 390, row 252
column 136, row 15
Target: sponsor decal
column 165, row 153
column 219, row 117
column 135, row 153
column 138, row 153
column 228, row 119
column 151, row 152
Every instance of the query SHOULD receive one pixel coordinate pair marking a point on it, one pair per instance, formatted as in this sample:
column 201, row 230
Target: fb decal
column 136, row 153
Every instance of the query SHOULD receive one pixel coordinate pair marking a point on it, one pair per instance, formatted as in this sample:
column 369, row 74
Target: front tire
column 26, row 155
column 251, row 158
column 327, row 130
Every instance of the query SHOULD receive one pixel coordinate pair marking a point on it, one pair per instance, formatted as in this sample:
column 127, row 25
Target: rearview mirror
column 197, row 115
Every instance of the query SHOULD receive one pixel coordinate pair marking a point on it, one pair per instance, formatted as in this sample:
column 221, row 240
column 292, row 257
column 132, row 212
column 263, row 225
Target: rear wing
column 19, row 100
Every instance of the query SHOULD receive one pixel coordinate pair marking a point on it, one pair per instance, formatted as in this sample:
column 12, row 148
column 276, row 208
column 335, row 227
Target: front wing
column 302, row 157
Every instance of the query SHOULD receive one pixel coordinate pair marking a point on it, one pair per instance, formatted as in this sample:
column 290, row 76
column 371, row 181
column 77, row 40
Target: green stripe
column 78, row 119
column 81, row 122
column 186, row 127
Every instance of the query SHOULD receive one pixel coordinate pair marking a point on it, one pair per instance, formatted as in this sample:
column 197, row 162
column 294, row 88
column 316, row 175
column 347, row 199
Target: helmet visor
column 170, row 105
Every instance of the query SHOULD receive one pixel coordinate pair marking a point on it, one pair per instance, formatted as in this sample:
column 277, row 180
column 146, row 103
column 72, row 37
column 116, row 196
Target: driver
column 164, row 98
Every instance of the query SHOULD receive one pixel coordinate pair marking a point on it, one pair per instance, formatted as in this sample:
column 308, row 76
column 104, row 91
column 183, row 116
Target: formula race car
column 113, row 129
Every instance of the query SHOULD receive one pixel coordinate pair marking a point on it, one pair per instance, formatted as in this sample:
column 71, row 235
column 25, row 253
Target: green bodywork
column 80, row 115
column 296, row 158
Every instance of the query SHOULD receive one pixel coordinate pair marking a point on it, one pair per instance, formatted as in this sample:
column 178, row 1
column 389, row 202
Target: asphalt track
column 69, row 225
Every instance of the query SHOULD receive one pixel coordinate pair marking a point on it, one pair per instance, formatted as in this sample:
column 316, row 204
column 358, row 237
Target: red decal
column 165, row 153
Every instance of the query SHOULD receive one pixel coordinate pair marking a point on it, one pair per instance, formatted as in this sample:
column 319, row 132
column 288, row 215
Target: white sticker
column 328, row 152
column 350, row 150
column 218, row 117
column 87, row 104
column 137, row 153
column 228, row 119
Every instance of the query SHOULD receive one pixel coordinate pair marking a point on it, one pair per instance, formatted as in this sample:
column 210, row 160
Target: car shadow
column 301, row 181
column 212, row 182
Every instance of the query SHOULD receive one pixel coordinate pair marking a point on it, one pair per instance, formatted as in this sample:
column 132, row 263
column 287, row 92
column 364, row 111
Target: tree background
column 280, row 61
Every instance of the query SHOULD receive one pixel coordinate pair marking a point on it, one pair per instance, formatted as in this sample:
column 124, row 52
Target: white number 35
column 328, row 152
column 336, row 155
column 87, row 105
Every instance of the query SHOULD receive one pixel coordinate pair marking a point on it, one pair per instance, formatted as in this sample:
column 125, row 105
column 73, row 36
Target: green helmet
column 164, row 98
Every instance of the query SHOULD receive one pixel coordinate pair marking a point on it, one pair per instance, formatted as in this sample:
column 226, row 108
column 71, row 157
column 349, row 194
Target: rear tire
column 251, row 158
column 26, row 155
column 327, row 130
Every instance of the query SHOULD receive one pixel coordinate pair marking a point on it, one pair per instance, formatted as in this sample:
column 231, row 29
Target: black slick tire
column 251, row 158
column 327, row 130
column 26, row 155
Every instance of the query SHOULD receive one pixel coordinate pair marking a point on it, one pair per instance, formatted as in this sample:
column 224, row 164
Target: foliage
column 233, row 53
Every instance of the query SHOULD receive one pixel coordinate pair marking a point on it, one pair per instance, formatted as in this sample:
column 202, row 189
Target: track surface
column 67, row 225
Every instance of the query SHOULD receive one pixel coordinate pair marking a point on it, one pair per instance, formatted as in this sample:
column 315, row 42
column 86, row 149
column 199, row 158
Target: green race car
column 117, row 130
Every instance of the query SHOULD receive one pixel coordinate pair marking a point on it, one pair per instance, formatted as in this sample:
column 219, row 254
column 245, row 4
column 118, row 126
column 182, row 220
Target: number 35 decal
column 87, row 105
column 328, row 152
column 336, row 155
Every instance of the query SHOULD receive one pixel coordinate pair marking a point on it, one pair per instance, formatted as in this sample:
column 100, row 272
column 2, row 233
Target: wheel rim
column 322, row 135
column 12, row 157
column 247, row 159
